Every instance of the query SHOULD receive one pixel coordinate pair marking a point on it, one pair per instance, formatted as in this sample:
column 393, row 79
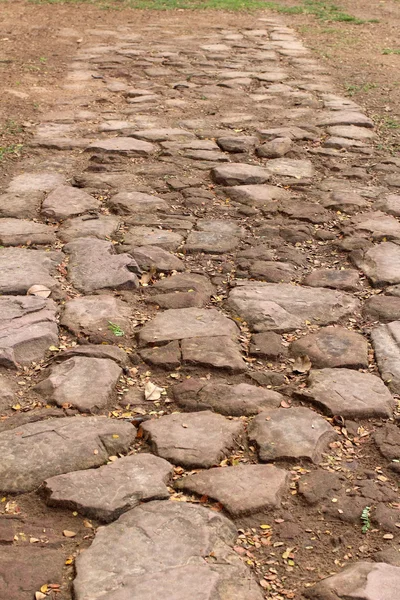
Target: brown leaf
column 39, row 290
column 69, row 534
column 302, row 364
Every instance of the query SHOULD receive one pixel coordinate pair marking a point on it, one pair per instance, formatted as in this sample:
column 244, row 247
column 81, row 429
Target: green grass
column 352, row 89
column 13, row 150
column 391, row 51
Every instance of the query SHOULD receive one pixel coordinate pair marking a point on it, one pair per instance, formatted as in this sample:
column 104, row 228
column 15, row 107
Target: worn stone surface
column 387, row 438
column 275, row 148
column 348, row 393
column 20, row 269
column 148, row 236
column 126, row 203
column 381, row 263
column 386, row 343
column 382, row 308
column 35, row 182
column 28, row 327
column 256, row 195
column 84, row 383
column 200, row 439
column 290, row 434
column 123, row 145
column 283, row 307
column 231, row 485
column 333, row 347
column 97, row 226
column 37, row 451
column 267, row 344
column 240, row 174
column 290, row 167
column 186, row 323
column 24, row 205
column 346, row 279
column 105, row 493
column 367, row 580
column 96, row 351
column 15, row 232
column 161, row 549
column 228, row 399
column 220, row 352
column 182, row 290
column 94, row 317
column 94, row 266
column 149, row 257
column 66, row 201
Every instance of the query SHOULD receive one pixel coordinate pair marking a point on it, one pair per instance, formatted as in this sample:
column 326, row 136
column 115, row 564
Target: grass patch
column 391, row 51
column 353, row 89
column 13, row 150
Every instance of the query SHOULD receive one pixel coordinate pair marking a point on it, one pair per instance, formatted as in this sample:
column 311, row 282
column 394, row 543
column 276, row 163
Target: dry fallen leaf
column 302, row 364
column 152, row 391
column 39, row 290
column 39, row 596
column 69, row 534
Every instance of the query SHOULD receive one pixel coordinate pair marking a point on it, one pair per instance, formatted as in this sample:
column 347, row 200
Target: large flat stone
column 183, row 323
column 28, row 327
column 182, row 290
column 162, row 135
column 243, row 489
column 93, row 265
column 239, row 173
column 200, row 439
column 161, row 550
column 350, row 394
column 220, row 352
column 35, row 182
column 210, row 242
column 149, row 236
column 362, row 580
column 66, row 201
column 123, row 145
column 126, row 203
column 290, row 434
column 283, row 307
column 256, row 195
column 16, row 232
column 333, row 347
column 92, row 316
column 113, row 489
column 97, row 226
column 21, row 268
column 224, row 398
column 381, row 263
column 290, row 167
column 24, row 205
column 36, row 451
column 87, row 384
column 337, row 117
column 386, row 343
column 149, row 257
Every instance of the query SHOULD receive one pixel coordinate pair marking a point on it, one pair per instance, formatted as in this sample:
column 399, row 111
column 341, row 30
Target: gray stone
column 283, row 307
column 290, row 434
column 161, row 550
column 256, row 195
column 382, row 308
column 7, row 393
column 20, row 269
column 15, row 232
column 390, row 205
column 35, row 182
column 272, row 271
column 268, row 344
column 220, row 352
column 231, row 486
column 240, row 173
column 363, row 580
column 199, row 439
column 28, row 327
column 20, row 205
column 149, row 236
column 36, row 451
column 108, row 492
column 123, row 145
column 167, row 357
column 153, row 257
column 66, row 201
column 224, row 398
column 84, row 383
column 290, row 167
column 345, row 279
column 386, row 343
column 348, row 393
column 387, row 438
column 162, row 135
column 210, row 242
column 335, row 118
column 126, row 203
column 211, row 155
column 293, row 133
column 275, row 148
column 186, row 323
column 94, row 266
column 333, row 347
column 381, row 263
column 96, row 351
column 182, row 290
column 99, row 226
column 90, row 316
column 239, row 143
column 346, row 201
column 377, row 225
column 352, row 132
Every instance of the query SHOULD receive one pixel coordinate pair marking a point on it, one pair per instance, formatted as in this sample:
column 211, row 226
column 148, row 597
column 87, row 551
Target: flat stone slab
column 290, row 167
column 352, row 132
column 183, row 323
column 66, row 201
column 161, row 549
column 87, row 384
column 240, row 173
column 106, row 493
column 256, row 195
column 36, row 451
column 93, row 265
column 220, row 352
column 163, row 135
column 95, row 317
column 35, row 182
column 390, row 205
column 283, row 307
column 290, row 434
column 382, row 308
column 210, row 242
column 149, row 257
column 200, row 439
column 123, row 145
column 346, row 279
column 338, row 117
column 20, row 269
column 16, row 232
column 386, row 343
column 377, row 225
column 333, row 347
column 224, row 398
column 363, row 580
column 243, row 489
column 24, row 205
column 387, row 439
column 348, row 393
column 28, row 327
column 148, row 236
column 98, row 226
column 126, row 203
column 381, row 263
column 182, row 290
column 96, row 351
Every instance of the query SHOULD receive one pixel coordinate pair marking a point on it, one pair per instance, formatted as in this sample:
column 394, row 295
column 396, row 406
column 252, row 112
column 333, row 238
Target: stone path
column 200, row 262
